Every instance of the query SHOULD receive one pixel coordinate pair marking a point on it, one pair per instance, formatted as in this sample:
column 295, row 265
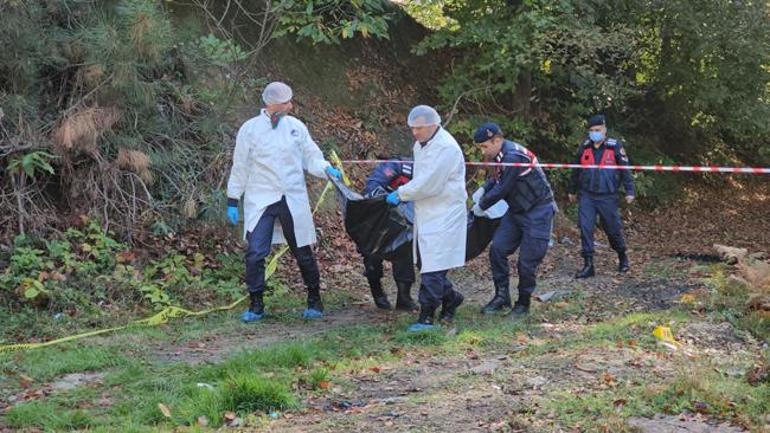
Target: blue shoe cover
column 312, row 314
column 417, row 327
column 249, row 316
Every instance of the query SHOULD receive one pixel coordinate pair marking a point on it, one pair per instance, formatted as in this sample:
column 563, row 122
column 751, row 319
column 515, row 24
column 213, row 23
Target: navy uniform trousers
column 529, row 232
column 260, row 241
column 606, row 206
column 403, row 268
column 435, row 287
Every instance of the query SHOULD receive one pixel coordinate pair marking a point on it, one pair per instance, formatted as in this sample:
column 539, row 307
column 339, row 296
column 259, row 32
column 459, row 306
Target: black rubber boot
column 623, row 265
column 404, row 300
column 256, row 309
column 449, row 306
column 257, row 304
column 501, row 300
column 424, row 321
column 380, row 298
column 588, row 269
column 521, row 307
column 315, row 307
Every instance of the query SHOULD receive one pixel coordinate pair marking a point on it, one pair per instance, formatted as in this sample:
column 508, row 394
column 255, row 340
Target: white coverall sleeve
column 236, row 185
column 312, row 158
column 430, row 182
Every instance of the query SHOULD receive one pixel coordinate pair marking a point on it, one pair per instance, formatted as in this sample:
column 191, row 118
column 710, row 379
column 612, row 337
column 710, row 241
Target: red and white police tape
column 672, row 168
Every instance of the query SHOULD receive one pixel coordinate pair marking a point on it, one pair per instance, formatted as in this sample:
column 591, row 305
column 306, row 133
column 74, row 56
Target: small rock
column 487, row 368
column 537, row 381
column 74, row 380
column 731, row 255
column 393, row 400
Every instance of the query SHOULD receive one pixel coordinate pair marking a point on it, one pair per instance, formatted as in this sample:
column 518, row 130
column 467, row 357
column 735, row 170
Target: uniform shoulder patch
column 623, row 151
column 586, row 143
column 612, row 142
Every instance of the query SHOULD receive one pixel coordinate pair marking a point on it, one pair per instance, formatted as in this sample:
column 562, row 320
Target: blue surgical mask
column 596, row 136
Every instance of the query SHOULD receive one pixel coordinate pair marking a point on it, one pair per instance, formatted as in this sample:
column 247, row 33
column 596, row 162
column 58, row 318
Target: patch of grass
column 318, row 378
column 571, row 305
column 277, row 356
column 705, row 391
column 696, row 389
column 128, row 428
column 253, row 393
column 432, row 337
column 47, row 363
column 47, row 416
column 597, row 411
column 242, row 394
column 756, row 322
column 662, row 268
column 725, row 293
column 730, row 297
column 636, row 326
column 489, row 333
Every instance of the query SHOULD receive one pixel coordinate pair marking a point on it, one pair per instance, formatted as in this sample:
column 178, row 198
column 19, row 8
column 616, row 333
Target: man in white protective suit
column 272, row 152
column 437, row 189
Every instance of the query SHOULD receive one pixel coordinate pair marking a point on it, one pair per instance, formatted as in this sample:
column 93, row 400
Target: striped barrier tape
column 669, row 168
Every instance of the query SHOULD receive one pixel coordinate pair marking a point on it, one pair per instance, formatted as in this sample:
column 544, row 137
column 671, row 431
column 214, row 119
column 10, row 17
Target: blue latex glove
column 392, row 199
column 232, row 214
column 333, row 172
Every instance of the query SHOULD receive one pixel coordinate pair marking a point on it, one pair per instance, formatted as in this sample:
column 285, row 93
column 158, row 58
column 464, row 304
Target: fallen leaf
column 164, row 410
column 25, row 381
column 125, row 257
column 609, row 379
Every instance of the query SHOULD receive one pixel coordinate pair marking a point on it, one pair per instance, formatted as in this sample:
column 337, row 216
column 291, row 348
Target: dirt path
column 660, row 274
column 607, row 295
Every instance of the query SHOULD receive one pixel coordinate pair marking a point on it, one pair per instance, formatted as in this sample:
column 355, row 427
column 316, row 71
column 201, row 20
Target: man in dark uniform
column 386, row 178
column 525, row 226
column 597, row 193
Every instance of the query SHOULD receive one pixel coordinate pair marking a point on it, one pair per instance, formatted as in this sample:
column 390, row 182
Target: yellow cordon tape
column 174, row 312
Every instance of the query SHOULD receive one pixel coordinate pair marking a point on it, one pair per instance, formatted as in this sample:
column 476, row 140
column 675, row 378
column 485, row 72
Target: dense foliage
column 692, row 77
column 116, row 110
